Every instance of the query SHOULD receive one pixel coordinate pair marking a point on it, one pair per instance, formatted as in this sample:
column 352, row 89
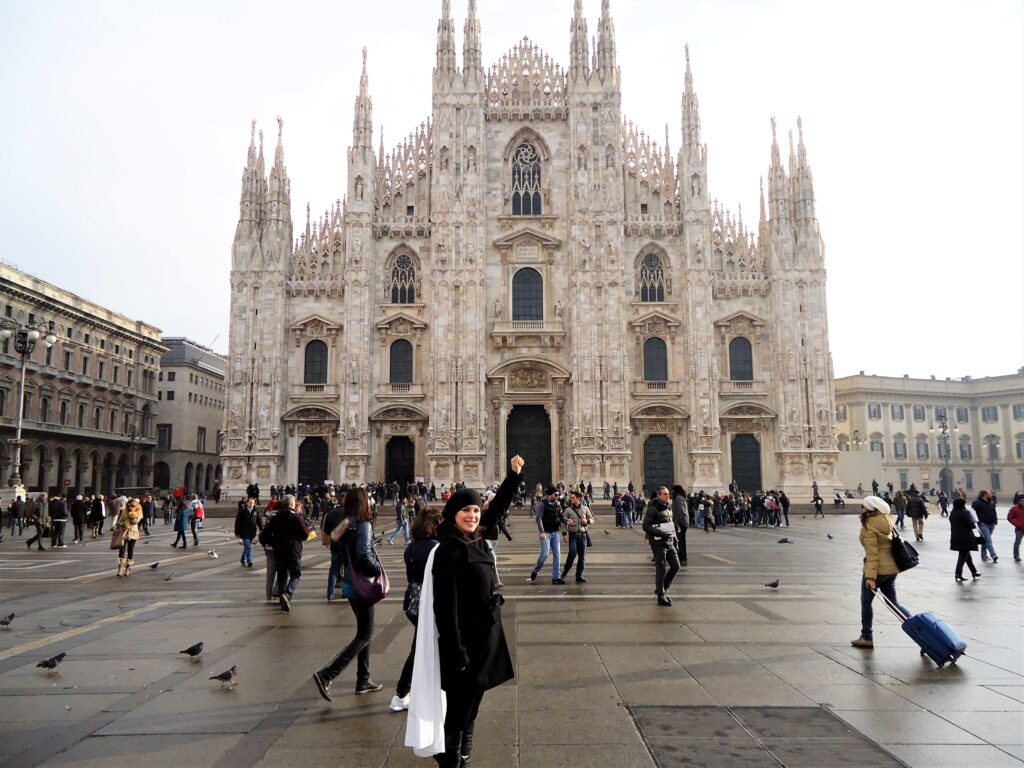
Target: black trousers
column 666, row 566
column 460, row 717
column 79, row 532
column 964, row 558
column 405, row 679
column 127, row 549
column 681, row 538
column 358, row 649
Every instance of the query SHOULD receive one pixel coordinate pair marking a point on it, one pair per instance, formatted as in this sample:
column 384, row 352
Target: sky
column 125, row 124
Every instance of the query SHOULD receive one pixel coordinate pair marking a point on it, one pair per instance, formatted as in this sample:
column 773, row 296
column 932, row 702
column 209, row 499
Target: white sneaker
column 399, row 703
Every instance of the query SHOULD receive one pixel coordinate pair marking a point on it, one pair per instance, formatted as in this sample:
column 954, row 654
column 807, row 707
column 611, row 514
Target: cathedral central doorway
column 313, row 461
column 528, row 433
column 746, row 462
column 658, row 464
column 400, row 461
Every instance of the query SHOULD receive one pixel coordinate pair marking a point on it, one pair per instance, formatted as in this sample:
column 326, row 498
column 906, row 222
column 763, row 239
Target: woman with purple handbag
column 364, row 583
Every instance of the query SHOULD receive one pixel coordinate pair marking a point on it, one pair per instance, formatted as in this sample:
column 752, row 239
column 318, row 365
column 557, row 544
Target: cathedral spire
column 804, row 178
column 472, row 63
column 606, row 67
column 279, row 204
column 579, row 53
column 778, row 184
column 362, row 122
column 691, row 110
column 251, row 201
column 446, row 66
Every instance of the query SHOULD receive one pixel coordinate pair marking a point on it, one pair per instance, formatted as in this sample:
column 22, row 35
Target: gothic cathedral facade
column 528, row 272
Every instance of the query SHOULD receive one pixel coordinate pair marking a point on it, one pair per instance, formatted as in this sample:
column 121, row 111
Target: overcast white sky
column 125, row 125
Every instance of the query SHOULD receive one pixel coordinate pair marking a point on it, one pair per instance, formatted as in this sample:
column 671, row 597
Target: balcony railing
column 403, row 391
column 646, row 388
column 744, row 387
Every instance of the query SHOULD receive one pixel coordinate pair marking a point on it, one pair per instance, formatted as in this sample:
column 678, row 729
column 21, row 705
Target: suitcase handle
column 889, row 604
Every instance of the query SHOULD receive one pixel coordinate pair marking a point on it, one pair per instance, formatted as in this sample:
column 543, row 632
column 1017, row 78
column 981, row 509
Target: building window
column 44, row 409
column 49, row 355
column 922, row 448
column 3, row 402
column 170, row 394
column 171, row 375
column 904, row 481
column 191, row 379
column 96, row 416
column 85, row 365
column 403, row 280
column 117, row 374
column 1018, row 447
column 741, row 360
column 969, row 480
column 190, row 397
column 840, row 413
column 99, row 374
column 877, row 446
column 163, row 437
column 63, row 413
column 655, row 360
column 918, row 412
column 129, row 382
column 27, row 405
column 994, row 481
column 942, row 449
column 81, row 416
column 1018, row 411
column 961, row 415
column 527, row 295
column 897, row 412
column 992, row 447
column 160, row 395
column 201, row 439
column 161, row 376
column 989, row 414
column 67, row 360
column 113, row 421
column 940, row 412
column 652, row 278
column 874, row 411
column 401, row 362
column 966, row 454
column 526, row 187
column 899, row 449
column 315, row 365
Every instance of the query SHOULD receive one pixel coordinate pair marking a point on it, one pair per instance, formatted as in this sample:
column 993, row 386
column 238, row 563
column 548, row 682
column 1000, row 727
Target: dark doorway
column 400, row 461
column 746, row 462
column 162, row 475
column 658, row 464
column 946, row 481
column 313, row 461
column 528, row 433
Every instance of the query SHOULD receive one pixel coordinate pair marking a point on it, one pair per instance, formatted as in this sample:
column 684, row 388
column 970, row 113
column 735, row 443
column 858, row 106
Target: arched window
column 401, row 362
column 741, row 360
column 316, row 363
column 655, row 360
column 527, row 295
column 652, row 279
column 44, row 409
column 403, row 281
column 525, row 181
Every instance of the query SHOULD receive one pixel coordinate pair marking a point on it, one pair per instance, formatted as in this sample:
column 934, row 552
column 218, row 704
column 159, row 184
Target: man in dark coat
column 58, row 521
column 79, row 518
column 917, row 511
column 17, row 511
column 663, row 543
column 285, row 535
column 985, row 508
column 247, row 524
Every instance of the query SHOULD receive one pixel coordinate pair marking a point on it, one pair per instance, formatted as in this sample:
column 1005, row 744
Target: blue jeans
column 887, row 586
column 195, row 531
column 17, row 521
column 246, row 551
column 403, row 526
column 553, row 542
column 334, row 574
column 899, row 517
column 627, row 517
column 986, row 533
column 577, row 549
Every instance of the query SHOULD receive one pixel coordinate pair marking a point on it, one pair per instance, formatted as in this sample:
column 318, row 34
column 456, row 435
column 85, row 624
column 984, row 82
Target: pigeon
column 213, row 554
column 607, row 533
column 830, row 535
column 5, row 622
column 229, row 678
column 51, row 663
column 784, row 541
column 193, row 651
column 169, row 576
column 154, row 566
column 774, row 584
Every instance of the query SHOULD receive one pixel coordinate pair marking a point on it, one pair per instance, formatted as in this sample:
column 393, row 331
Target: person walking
column 819, row 506
column 79, row 518
column 248, row 524
column 681, row 518
column 917, row 511
column 943, row 504
column 128, row 518
column 34, row 518
column 58, row 521
column 17, row 510
column 548, row 513
column 148, row 512
column 963, row 538
column 97, row 512
column 628, row 509
column 195, row 518
column 334, row 516
column 424, row 539
column 1016, row 519
column 359, row 553
column 181, row 524
column 985, row 509
column 900, row 502
column 880, row 571
column 660, row 528
column 401, row 520
column 784, row 503
column 471, row 644
column 491, row 535
column 286, row 533
column 577, row 517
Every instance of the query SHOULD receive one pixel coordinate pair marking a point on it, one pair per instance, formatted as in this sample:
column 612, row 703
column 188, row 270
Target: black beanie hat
column 551, row 489
column 959, row 503
column 463, row 497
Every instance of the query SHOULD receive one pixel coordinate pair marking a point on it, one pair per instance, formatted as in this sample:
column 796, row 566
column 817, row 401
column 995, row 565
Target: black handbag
column 903, row 553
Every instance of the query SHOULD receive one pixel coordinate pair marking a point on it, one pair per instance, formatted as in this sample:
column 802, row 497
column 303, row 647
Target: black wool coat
column 962, row 532
column 467, row 605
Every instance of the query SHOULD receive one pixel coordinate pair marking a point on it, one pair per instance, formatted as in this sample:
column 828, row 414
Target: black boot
column 467, row 745
column 451, row 756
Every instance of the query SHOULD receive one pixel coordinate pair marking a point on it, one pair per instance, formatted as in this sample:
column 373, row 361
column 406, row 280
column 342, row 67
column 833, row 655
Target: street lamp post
column 941, row 427
column 25, row 338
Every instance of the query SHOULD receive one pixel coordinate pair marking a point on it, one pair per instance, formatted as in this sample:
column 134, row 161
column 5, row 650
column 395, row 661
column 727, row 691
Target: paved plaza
column 733, row 674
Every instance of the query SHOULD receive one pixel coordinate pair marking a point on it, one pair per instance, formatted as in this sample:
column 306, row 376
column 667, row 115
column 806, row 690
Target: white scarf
column 424, row 730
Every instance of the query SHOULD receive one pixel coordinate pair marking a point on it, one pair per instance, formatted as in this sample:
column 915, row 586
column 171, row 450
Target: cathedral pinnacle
column 362, row 123
column 691, row 110
column 579, row 54
column 446, row 66
column 471, row 49
column 606, row 66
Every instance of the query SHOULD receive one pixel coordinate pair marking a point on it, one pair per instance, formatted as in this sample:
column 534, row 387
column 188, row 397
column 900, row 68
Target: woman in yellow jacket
column 876, row 532
column 129, row 520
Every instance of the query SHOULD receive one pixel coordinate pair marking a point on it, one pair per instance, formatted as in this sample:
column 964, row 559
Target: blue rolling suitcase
column 936, row 639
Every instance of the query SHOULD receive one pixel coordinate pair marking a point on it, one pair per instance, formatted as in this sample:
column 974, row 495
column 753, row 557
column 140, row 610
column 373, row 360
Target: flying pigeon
column 5, row 622
column 784, row 541
column 193, row 651
column 154, row 566
column 51, row 663
column 213, row 554
column 169, row 576
column 830, row 535
column 229, row 678
column 774, row 584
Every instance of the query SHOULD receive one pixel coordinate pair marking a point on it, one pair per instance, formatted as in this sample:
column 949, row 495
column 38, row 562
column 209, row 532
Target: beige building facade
column 529, row 272
column 90, row 399
column 935, row 433
column 191, row 391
